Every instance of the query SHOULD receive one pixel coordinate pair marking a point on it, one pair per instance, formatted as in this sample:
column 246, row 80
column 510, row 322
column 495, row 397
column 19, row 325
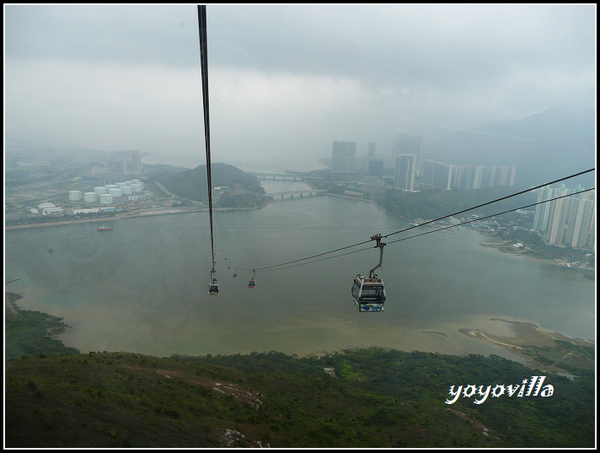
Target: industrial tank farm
column 74, row 199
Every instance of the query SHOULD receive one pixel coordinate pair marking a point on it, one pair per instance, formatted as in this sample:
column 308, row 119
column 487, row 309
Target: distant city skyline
column 569, row 221
column 466, row 177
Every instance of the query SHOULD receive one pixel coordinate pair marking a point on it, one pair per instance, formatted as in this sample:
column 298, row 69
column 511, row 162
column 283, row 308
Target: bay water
column 143, row 286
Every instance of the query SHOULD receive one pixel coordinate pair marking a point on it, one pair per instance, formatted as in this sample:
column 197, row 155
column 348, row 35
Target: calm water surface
column 143, row 286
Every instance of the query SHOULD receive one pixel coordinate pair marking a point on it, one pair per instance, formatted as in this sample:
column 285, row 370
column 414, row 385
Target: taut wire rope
column 312, row 257
column 430, row 231
column 204, row 75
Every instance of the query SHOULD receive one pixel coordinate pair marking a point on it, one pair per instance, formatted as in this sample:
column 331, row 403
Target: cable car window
column 372, row 293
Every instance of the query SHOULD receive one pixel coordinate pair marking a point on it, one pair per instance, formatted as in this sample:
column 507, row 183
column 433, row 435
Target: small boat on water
column 104, row 228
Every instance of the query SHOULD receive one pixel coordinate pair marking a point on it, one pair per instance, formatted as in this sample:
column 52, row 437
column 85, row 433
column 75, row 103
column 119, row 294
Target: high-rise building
column 376, row 167
column 559, row 215
column 343, row 157
column 542, row 210
column 134, row 165
column 467, row 177
column 408, row 144
column 568, row 221
column 405, row 172
column 371, row 149
column 581, row 228
column 464, row 177
column 126, row 162
column 477, row 176
column 437, row 174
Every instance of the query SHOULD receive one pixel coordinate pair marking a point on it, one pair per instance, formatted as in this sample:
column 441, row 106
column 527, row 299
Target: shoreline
column 494, row 242
column 548, row 351
column 503, row 246
column 11, row 309
column 544, row 350
column 131, row 215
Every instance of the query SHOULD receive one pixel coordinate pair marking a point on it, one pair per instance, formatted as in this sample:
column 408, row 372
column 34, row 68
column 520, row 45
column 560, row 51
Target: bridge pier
column 296, row 194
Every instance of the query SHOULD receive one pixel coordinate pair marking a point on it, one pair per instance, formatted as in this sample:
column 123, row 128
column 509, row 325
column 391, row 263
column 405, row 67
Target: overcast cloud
column 286, row 80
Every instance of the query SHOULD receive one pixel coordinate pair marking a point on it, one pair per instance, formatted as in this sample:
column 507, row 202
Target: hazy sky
column 287, row 80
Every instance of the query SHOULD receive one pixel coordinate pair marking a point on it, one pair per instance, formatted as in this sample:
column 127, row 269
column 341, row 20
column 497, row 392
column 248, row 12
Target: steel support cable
column 424, row 223
column 433, row 231
column 287, row 264
column 204, row 75
column 490, row 202
column 307, row 258
column 491, row 215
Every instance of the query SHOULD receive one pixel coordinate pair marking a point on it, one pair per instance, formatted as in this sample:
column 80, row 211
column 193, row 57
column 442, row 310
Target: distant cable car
column 368, row 293
column 213, row 288
column 251, row 282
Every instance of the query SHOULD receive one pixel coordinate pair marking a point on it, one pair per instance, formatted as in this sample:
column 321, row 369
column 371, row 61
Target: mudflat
column 548, row 351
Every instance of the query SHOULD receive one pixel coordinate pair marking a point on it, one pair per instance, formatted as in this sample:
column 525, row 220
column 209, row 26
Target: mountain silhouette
column 554, row 143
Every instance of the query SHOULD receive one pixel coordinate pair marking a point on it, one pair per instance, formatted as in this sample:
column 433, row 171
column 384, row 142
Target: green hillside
column 370, row 398
column 56, row 397
column 192, row 183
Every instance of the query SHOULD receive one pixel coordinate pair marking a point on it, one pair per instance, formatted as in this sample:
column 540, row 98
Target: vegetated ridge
column 243, row 189
column 365, row 398
column 354, row 399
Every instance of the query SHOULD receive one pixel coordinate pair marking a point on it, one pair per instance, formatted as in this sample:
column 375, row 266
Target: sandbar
column 550, row 351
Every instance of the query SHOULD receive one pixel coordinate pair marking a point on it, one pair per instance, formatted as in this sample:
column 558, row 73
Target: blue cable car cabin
column 368, row 293
column 213, row 289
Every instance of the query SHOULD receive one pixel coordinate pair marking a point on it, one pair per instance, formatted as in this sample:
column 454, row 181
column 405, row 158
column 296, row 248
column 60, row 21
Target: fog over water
column 143, row 286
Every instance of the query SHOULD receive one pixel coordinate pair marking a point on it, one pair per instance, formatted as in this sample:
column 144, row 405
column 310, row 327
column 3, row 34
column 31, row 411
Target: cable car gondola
column 213, row 288
column 368, row 293
column 251, row 282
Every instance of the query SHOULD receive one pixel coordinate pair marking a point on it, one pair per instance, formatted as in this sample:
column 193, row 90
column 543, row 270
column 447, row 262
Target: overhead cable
column 311, row 257
column 204, row 74
column 493, row 201
column 492, row 215
column 282, row 266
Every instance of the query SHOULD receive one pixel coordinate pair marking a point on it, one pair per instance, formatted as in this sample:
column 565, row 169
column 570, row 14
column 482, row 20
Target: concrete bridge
column 277, row 176
column 296, row 194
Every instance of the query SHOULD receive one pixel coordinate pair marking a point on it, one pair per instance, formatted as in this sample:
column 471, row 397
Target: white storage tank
column 100, row 190
column 90, row 197
column 121, row 184
column 137, row 187
column 110, row 186
column 115, row 192
column 127, row 190
column 74, row 195
column 106, row 198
